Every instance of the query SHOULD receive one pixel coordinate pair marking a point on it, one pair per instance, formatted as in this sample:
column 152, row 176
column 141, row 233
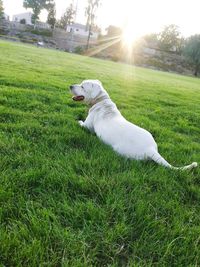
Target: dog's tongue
column 78, row 98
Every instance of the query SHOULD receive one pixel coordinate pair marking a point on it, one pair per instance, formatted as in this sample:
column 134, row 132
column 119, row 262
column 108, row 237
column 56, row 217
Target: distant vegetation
column 1, row 10
column 67, row 18
column 170, row 51
column 192, row 52
column 42, row 32
column 51, row 18
column 154, row 50
column 2, row 31
column 37, row 6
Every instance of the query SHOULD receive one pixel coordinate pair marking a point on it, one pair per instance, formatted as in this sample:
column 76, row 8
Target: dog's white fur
column 112, row 128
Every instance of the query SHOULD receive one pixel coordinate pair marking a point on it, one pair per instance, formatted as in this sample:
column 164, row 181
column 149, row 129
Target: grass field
column 66, row 199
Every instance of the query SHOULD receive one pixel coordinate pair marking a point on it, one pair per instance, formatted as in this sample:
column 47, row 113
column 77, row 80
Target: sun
column 130, row 35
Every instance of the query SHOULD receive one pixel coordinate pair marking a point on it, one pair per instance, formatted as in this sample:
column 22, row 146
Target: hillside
column 66, row 199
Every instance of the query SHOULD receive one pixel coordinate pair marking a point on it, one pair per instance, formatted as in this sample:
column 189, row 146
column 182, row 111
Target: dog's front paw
column 81, row 123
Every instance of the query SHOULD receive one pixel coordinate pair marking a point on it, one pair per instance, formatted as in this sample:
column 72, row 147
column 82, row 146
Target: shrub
column 79, row 50
column 46, row 33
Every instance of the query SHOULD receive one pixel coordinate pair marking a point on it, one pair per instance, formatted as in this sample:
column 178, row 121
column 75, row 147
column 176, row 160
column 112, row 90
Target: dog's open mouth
column 78, row 97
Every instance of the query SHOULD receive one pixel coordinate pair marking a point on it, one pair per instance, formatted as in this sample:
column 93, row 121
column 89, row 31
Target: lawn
column 66, row 199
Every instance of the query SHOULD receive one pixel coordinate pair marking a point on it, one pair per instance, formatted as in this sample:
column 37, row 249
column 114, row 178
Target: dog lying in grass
column 112, row 128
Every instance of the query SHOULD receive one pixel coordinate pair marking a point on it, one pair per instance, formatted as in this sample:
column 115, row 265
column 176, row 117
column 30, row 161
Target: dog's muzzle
column 76, row 97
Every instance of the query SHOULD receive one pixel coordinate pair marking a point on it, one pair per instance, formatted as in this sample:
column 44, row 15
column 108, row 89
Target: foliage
column 90, row 14
column 170, row 39
column 43, row 32
column 78, row 50
column 67, row 199
column 192, row 52
column 51, row 18
column 151, row 39
column 1, row 10
column 67, row 18
column 37, row 6
column 3, row 30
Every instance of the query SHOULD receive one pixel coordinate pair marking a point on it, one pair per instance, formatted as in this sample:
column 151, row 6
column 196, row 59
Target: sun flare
column 128, row 36
column 131, row 34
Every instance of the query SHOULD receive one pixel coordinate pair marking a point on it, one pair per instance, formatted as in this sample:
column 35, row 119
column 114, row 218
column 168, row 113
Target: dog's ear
column 96, row 89
column 99, row 82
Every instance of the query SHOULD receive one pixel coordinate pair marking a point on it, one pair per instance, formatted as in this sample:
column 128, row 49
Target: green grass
column 66, row 199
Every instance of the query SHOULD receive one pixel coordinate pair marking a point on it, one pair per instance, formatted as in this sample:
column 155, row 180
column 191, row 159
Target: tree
column 37, row 6
column 90, row 13
column 192, row 52
column 170, row 38
column 1, row 10
column 2, row 29
column 67, row 18
column 151, row 39
column 51, row 19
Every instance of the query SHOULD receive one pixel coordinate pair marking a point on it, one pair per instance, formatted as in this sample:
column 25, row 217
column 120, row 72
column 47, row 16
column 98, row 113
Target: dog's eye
column 82, row 87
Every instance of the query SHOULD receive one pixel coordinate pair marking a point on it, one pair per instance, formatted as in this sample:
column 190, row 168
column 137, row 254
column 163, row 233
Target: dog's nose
column 71, row 87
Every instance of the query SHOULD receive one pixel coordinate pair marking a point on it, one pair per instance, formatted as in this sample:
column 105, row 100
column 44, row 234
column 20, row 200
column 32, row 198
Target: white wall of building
column 81, row 30
column 27, row 16
column 43, row 25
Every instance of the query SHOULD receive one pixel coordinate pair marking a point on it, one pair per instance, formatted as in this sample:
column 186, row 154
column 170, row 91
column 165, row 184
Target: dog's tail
column 155, row 156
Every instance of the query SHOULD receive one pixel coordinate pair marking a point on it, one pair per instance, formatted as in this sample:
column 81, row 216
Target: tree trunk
column 196, row 71
column 88, row 39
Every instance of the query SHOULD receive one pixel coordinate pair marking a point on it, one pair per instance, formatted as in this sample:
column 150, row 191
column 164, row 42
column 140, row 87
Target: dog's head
column 88, row 91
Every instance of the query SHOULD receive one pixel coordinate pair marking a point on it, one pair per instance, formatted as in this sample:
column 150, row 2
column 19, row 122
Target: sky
column 144, row 16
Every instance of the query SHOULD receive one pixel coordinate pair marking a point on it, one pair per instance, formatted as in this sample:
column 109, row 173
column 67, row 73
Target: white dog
column 112, row 128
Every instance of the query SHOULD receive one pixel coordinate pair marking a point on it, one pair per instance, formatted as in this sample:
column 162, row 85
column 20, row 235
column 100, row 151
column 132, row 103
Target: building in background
column 42, row 25
column 26, row 19
column 23, row 16
column 80, row 30
column 6, row 17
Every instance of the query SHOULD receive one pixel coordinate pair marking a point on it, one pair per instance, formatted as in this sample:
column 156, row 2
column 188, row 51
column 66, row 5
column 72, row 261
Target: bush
column 79, row 50
column 35, row 40
column 46, row 33
column 20, row 35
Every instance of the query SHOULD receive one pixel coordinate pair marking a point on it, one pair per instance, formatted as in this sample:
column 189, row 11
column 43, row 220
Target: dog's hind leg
column 155, row 156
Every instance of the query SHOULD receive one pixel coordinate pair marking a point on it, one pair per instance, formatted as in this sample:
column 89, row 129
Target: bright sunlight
column 135, row 25
column 130, row 35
